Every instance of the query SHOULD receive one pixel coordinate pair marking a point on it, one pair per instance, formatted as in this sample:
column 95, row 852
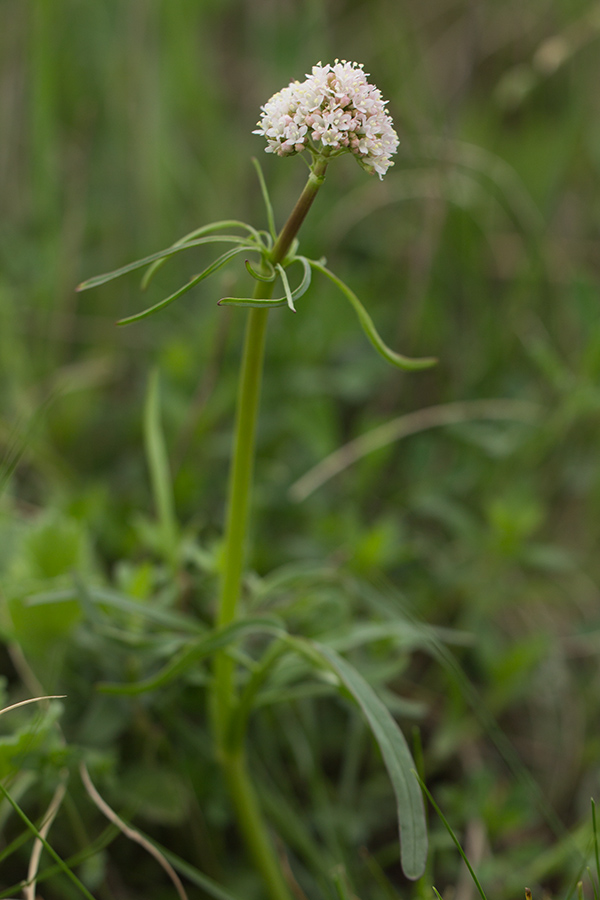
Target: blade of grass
column 29, row 893
column 158, row 464
column 453, row 836
column 63, row 866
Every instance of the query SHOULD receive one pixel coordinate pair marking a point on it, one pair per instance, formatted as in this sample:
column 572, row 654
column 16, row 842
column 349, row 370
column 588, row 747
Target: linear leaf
column 275, row 302
column 270, row 276
column 306, row 277
column 216, row 264
column 252, row 302
column 266, row 198
column 286, row 286
column 397, row 758
column 198, row 232
column 97, row 280
column 366, row 322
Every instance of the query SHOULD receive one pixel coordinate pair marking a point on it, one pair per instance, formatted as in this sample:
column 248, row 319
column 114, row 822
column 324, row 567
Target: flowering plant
column 334, row 111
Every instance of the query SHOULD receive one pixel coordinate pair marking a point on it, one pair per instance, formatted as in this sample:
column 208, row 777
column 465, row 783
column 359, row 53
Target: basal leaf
column 397, row 758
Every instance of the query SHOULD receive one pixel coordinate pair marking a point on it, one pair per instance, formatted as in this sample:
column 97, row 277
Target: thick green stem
column 240, row 481
column 250, row 820
column 298, row 214
column 253, row 828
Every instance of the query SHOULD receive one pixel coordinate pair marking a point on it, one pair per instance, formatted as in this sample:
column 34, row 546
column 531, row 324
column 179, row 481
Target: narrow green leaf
column 366, row 322
column 266, row 198
column 286, row 286
column 216, row 264
column 252, row 302
column 275, row 302
column 158, row 464
column 198, row 232
column 306, row 277
column 260, row 276
column 49, row 849
column 396, row 756
column 193, row 652
column 97, row 280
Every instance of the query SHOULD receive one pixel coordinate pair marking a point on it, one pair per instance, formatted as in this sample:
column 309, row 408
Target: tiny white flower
column 335, row 110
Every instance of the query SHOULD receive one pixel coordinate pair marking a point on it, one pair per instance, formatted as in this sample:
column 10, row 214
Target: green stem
column 250, row 820
column 240, row 481
column 253, row 828
column 298, row 214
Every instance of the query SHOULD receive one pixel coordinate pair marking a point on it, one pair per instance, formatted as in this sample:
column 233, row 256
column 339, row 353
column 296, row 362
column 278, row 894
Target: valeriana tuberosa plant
column 333, row 112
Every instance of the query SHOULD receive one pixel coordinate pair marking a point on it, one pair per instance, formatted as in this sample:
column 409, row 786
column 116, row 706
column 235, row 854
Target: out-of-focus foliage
column 127, row 123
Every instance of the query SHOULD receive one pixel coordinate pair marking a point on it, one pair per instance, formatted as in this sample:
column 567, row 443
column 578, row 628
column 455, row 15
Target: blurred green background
column 124, row 124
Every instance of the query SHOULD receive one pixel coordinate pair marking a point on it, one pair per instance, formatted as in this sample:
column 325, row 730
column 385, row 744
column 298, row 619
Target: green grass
column 456, row 567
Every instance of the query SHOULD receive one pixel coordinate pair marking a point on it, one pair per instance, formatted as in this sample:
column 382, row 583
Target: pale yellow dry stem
column 412, row 423
column 31, row 700
column 129, row 832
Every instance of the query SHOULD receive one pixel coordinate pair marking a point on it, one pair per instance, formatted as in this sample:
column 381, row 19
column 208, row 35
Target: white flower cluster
column 334, row 110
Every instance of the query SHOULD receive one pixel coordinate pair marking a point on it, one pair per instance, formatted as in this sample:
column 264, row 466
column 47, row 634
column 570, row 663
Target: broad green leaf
column 397, row 758
column 366, row 322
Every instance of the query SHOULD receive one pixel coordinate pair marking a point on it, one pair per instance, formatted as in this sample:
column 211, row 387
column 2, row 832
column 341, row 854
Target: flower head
column 334, row 111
